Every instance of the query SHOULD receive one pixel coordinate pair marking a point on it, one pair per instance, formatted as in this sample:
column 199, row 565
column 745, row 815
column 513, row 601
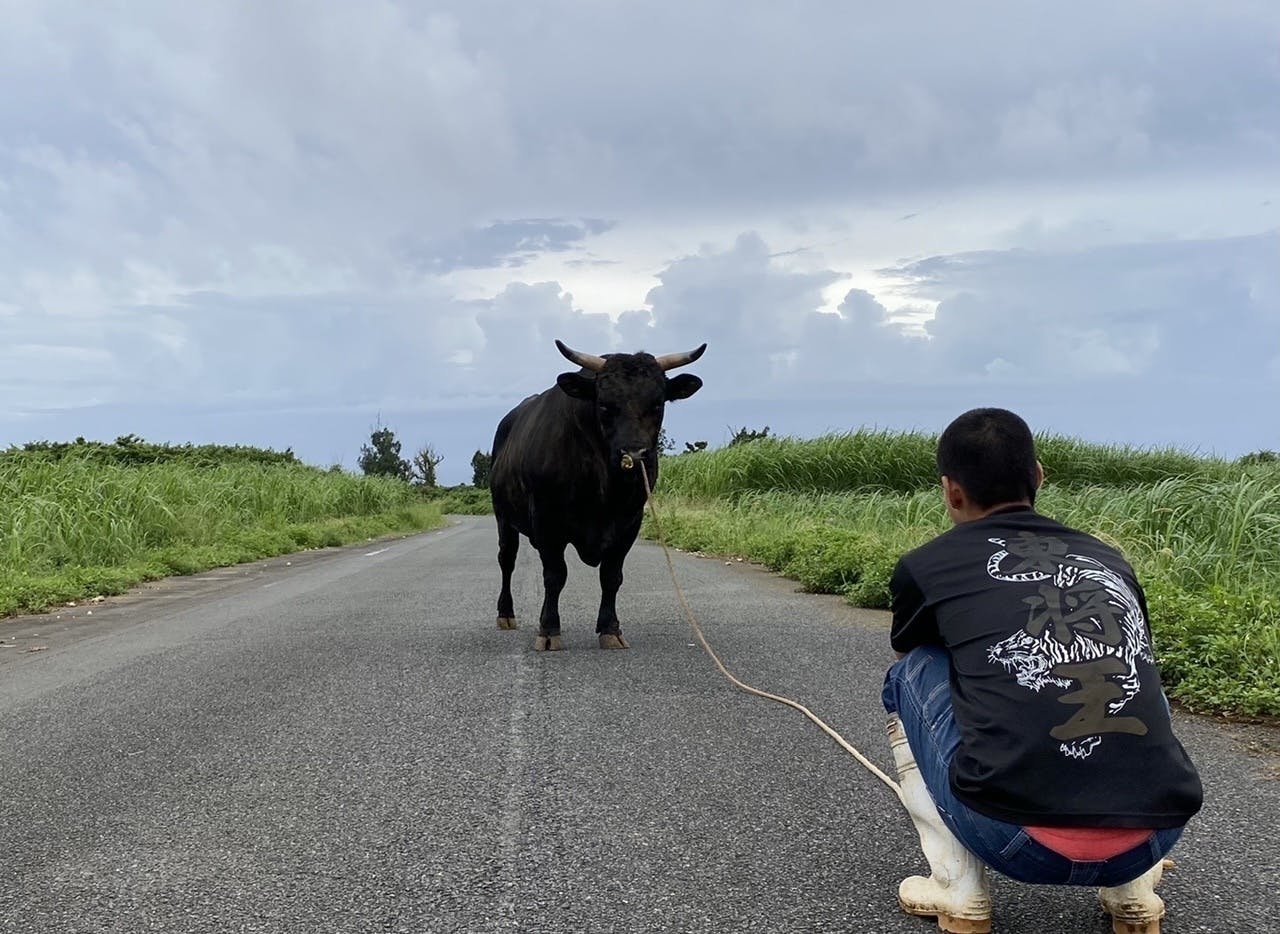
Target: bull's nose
column 630, row 457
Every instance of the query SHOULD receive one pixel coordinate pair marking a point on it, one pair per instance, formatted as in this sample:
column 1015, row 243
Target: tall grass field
column 85, row 519
column 835, row 513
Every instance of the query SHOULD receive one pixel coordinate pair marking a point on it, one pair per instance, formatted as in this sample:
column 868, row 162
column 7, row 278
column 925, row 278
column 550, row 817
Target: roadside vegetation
column 834, row 513
column 466, row 499
column 84, row 519
column 462, row 500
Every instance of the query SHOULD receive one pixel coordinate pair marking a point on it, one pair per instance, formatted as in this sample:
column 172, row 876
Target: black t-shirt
column 1056, row 694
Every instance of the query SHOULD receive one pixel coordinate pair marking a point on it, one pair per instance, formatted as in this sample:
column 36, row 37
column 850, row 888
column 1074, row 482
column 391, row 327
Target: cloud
column 389, row 204
column 861, row 343
column 1204, row 315
column 1197, row 311
column 741, row 301
column 241, row 149
column 265, row 150
column 210, row 349
column 1194, row 309
column 1139, row 343
column 992, row 91
column 520, row 327
column 506, row 243
column 207, row 143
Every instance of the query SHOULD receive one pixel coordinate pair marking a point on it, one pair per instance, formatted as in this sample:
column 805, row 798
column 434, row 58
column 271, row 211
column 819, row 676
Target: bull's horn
column 590, row 361
column 670, row 361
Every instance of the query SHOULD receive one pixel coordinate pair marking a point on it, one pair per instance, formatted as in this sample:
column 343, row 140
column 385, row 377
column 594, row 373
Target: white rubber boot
column 956, row 891
column 1134, row 907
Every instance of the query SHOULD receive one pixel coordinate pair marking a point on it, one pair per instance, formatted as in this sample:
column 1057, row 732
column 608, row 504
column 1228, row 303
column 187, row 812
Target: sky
column 285, row 223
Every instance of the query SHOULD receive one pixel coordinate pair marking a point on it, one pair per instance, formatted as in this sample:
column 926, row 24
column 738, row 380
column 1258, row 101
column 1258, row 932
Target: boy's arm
column 914, row 623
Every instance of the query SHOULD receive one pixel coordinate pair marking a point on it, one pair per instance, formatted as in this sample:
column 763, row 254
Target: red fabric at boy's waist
column 1088, row 843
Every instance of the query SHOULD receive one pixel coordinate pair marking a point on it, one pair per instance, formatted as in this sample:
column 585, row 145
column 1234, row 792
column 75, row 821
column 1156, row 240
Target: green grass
column 1203, row 535
column 904, row 462
column 76, row 526
column 462, row 500
column 130, row 450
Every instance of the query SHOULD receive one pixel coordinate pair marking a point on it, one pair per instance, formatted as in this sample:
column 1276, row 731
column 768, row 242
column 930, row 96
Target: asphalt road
column 344, row 742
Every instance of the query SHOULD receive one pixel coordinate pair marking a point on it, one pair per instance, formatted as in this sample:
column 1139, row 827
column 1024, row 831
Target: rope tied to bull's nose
column 706, row 646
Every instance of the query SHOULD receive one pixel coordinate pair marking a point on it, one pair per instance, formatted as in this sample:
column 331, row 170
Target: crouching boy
column 1027, row 719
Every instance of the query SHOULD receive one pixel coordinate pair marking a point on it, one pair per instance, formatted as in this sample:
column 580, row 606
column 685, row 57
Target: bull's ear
column 577, row 385
column 682, row 386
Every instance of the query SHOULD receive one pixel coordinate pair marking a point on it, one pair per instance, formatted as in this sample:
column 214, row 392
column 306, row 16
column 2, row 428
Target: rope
column 742, row 685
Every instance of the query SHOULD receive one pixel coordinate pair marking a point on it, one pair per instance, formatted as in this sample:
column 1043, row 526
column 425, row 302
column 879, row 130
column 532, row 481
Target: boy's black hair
column 992, row 455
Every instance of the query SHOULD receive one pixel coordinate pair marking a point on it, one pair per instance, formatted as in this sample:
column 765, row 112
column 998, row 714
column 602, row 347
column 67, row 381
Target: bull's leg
column 608, row 628
column 554, row 574
column 508, row 546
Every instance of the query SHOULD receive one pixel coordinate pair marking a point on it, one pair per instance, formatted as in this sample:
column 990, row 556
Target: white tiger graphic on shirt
column 1085, row 630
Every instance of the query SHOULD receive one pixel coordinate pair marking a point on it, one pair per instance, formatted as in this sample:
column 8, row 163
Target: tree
column 424, row 466
column 480, row 464
column 744, row 435
column 381, row 456
column 665, row 444
column 1259, row 457
column 693, row 447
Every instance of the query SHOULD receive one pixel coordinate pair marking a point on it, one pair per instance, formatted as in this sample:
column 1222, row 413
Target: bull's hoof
column 507, row 622
column 543, row 643
column 613, row 640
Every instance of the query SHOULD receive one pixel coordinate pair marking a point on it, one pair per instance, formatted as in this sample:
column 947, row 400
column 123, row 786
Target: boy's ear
column 682, row 386
column 577, row 385
column 953, row 493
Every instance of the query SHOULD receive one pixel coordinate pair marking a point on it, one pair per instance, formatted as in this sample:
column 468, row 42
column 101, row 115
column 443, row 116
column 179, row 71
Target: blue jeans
column 918, row 689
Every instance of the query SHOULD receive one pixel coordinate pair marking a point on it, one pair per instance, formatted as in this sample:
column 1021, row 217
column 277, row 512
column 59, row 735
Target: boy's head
column 990, row 456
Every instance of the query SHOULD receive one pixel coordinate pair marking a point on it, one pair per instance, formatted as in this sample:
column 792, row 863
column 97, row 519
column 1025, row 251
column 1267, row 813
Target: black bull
column 565, row 472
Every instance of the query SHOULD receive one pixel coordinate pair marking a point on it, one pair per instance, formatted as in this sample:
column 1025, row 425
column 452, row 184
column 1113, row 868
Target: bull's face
column 629, row 393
